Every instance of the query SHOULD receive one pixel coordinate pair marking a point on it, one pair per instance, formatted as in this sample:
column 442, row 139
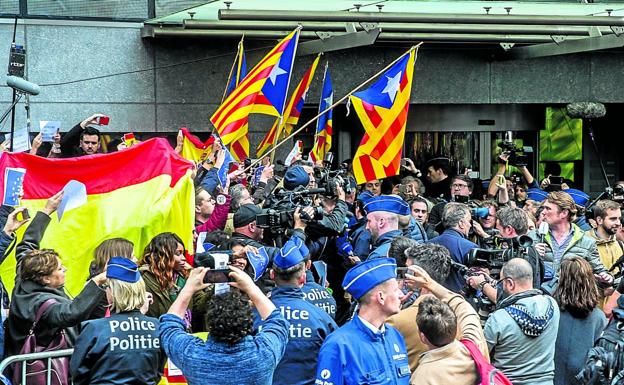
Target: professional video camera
column 494, row 259
column 518, row 156
column 330, row 179
column 279, row 216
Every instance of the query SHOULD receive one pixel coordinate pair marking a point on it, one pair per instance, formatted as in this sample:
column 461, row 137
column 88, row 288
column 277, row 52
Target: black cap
column 246, row 214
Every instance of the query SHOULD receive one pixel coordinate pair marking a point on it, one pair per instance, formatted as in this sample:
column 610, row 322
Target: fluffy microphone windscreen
column 586, row 110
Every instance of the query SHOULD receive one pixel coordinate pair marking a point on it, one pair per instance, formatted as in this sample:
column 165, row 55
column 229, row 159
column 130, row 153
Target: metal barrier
column 33, row 357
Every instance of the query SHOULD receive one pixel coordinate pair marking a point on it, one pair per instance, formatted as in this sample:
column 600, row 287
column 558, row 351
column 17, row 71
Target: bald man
column 522, row 332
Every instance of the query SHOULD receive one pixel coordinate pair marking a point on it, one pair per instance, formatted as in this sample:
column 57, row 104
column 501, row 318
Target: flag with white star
column 324, row 130
column 263, row 91
column 13, row 183
column 382, row 109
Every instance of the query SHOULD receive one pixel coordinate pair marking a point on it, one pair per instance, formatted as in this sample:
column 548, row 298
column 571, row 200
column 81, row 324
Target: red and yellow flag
column 135, row 194
column 193, row 148
column 240, row 147
column 382, row 109
column 291, row 113
column 261, row 91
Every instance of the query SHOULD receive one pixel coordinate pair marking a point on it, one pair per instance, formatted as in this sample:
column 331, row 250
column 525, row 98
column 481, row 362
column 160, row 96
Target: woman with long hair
column 164, row 269
column 581, row 322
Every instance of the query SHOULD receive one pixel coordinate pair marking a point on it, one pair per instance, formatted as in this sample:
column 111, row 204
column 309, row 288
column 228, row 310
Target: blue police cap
column 365, row 195
column 389, row 203
column 580, row 198
column 292, row 253
column 123, row 269
column 536, row 194
column 361, row 278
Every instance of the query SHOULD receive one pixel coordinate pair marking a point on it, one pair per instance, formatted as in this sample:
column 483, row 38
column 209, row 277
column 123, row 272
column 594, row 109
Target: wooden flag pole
column 362, row 85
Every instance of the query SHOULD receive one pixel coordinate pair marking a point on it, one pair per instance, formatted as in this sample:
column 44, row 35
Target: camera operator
column 564, row 237
column 493, row 188
column 512, row 223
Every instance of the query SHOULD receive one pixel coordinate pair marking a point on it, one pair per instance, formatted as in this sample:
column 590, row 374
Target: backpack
column 488, row 374
column 605, row 361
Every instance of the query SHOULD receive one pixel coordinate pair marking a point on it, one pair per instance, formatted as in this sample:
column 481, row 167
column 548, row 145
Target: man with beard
column 607, row 215
column 382, row 215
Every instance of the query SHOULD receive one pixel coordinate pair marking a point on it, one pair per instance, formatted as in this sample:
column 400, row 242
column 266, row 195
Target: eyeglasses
column 458, row 186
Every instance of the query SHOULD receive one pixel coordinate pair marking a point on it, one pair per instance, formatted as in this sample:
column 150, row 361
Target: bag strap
column 44, row 306
column 474, row 351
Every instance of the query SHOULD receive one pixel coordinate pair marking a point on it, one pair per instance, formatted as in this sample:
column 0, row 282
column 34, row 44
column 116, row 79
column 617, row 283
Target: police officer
column 124, row 348
column 366, row 350
column 309, row 325
column 382, row 214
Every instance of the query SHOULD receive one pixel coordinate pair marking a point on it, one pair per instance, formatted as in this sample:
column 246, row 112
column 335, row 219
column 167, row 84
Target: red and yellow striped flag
column 251, row 95
column 292, row 111
column 382, row 109
column 240, row 147
column 193, row 148
column 135, row 194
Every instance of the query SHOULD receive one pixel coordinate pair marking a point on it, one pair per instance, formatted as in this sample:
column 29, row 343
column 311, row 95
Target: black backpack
column 605, row 361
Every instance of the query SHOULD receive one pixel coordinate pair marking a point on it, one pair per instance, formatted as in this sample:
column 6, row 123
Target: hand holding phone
column 218, row 276
column 102, row 120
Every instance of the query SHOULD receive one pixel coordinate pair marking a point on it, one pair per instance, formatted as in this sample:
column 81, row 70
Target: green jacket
column 581, row 244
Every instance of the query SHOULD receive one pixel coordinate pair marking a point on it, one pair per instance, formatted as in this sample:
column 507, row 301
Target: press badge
column 403, row 371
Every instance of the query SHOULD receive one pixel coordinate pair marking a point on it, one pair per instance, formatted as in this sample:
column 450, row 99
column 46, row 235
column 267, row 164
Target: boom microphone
column 586, row 110
column 23, row 86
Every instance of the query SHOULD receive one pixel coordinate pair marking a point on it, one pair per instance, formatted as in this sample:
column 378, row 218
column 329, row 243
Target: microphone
column 22, row 85
column 542, row 231
column 586, row 110
column 310, row 191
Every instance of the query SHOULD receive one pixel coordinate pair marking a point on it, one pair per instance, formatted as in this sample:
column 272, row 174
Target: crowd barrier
column 32, row 357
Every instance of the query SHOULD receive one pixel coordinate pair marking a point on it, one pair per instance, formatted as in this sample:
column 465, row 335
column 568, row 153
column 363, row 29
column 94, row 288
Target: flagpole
column 272, row 150
column 236, row 59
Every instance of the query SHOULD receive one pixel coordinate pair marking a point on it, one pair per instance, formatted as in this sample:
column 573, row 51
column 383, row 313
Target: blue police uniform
column 309, row 326
column 122, row 349
column 360, row 239
column 382, row 244
column 318, row 296
column 354, row 354
column 358, row 353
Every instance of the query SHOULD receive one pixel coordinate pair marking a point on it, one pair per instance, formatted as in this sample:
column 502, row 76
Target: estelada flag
column 135, row 194
column 382, row 109
column 193, row 148
column 263, row 91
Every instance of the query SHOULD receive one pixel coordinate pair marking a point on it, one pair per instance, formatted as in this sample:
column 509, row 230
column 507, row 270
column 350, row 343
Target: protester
column 438, row 178
column 124, row 348
column 164, row 269
column 581, row 322
column 366, row 350
column 232, row 354
column 40, row 276
column 82, row 139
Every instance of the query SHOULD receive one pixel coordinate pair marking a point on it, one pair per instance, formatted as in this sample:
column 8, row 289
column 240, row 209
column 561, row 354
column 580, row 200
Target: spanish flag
column 134, row 194
column 193, row 148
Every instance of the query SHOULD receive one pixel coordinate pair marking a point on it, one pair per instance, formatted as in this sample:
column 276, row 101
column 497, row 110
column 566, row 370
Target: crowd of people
column 395, row 281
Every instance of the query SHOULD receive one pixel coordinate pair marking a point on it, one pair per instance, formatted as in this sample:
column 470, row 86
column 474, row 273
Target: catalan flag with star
column 291, row 113
column 323, row 135
column 382, row 109
column 263, row 91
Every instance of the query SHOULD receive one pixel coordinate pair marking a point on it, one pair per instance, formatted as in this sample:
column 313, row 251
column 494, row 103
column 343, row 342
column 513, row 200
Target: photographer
column 460, row 191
